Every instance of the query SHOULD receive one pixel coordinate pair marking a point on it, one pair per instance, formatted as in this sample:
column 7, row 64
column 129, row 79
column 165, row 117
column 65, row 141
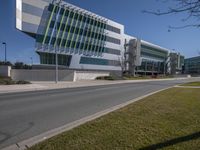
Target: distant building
column 176, row 63
column 84, row 40
column 148, row 58
column 192, row 65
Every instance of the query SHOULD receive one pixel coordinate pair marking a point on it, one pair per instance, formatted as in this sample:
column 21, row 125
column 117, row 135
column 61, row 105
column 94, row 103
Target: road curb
column 43, row 88
column 46, row 135
column 188, row 87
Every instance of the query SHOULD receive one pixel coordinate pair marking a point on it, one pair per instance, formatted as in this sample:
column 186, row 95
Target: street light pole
column 164, row 67
column 56, row 61
column 56, row 47
column 4, row 43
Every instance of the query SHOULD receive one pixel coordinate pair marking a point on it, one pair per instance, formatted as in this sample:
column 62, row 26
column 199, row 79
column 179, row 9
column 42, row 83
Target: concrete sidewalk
column 36, row 86
column 188, row 87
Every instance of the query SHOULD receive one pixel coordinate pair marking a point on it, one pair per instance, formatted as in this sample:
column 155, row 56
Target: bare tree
column 190, row 7
column 121, row 63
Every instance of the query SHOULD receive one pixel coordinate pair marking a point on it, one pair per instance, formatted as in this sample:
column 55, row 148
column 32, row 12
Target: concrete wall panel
column 89, row 75
column 5, row 71
column 41, row 75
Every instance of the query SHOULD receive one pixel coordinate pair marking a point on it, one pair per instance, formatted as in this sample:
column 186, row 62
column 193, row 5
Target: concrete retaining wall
column 5, row 71
column 116, row 73
column 88, row 75
column 41, row 75
column 49, row 75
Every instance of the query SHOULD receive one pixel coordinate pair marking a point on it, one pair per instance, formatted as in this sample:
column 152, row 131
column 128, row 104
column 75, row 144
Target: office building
column 192, row 65
column 84, row 40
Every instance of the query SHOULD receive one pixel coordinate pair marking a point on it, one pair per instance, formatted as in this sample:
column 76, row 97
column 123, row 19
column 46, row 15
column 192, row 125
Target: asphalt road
column 27, row 114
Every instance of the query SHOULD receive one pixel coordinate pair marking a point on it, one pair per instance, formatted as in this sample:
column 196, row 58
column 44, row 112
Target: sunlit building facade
column 82, row 39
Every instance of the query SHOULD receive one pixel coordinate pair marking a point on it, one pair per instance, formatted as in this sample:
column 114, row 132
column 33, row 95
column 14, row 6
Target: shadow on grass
column 172, row 142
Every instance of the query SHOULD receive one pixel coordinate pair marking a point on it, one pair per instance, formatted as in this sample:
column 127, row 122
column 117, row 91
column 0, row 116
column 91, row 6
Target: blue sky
column 128, row 12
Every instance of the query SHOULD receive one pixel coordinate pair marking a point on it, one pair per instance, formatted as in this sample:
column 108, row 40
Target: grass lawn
column 167, row 120
column 192, row 84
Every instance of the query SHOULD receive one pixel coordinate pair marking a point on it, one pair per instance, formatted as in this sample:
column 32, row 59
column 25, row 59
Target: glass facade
column 82, row 37
column 74, row 31
column 150, row 66
column 155, row 53
column 99, row 61
column 50, row 59
column 153, row 60
column 192, row 65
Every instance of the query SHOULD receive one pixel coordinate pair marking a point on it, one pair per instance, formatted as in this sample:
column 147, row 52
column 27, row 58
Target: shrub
column 105, row 78
column 23, row 82
column 7, row 82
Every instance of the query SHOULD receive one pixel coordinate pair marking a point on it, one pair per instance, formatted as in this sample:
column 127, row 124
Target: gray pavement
column 38, row 86
column 27, row 114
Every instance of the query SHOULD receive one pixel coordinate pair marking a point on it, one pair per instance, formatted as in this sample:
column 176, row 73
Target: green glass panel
column 78, row 34
column 98, row 31
column 86, row 37
column 64, row 31
column 72, row 21
column 90, row 33
column 95, row 31
column 76, row 23
column 60, row 27
column 47, row 29
column 100, row 36
column 153, row 49
column 81, row 45
column 94, row 61
column 103, row 39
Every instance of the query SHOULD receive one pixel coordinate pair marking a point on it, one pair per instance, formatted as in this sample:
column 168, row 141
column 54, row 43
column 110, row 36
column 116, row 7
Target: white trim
column 37, row 3
column 155, row 46
column 19, row 14
column 151, row 59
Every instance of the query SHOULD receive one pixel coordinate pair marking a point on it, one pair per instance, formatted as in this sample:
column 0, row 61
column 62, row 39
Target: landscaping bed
column 128, row 77
column 9, row 81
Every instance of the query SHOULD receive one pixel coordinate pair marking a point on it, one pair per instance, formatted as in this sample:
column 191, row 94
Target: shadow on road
column 193, row 136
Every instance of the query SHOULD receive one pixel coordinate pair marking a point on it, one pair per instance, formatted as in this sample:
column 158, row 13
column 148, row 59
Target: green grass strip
column 168, row 120
column 47, row 29
column 192, row 84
